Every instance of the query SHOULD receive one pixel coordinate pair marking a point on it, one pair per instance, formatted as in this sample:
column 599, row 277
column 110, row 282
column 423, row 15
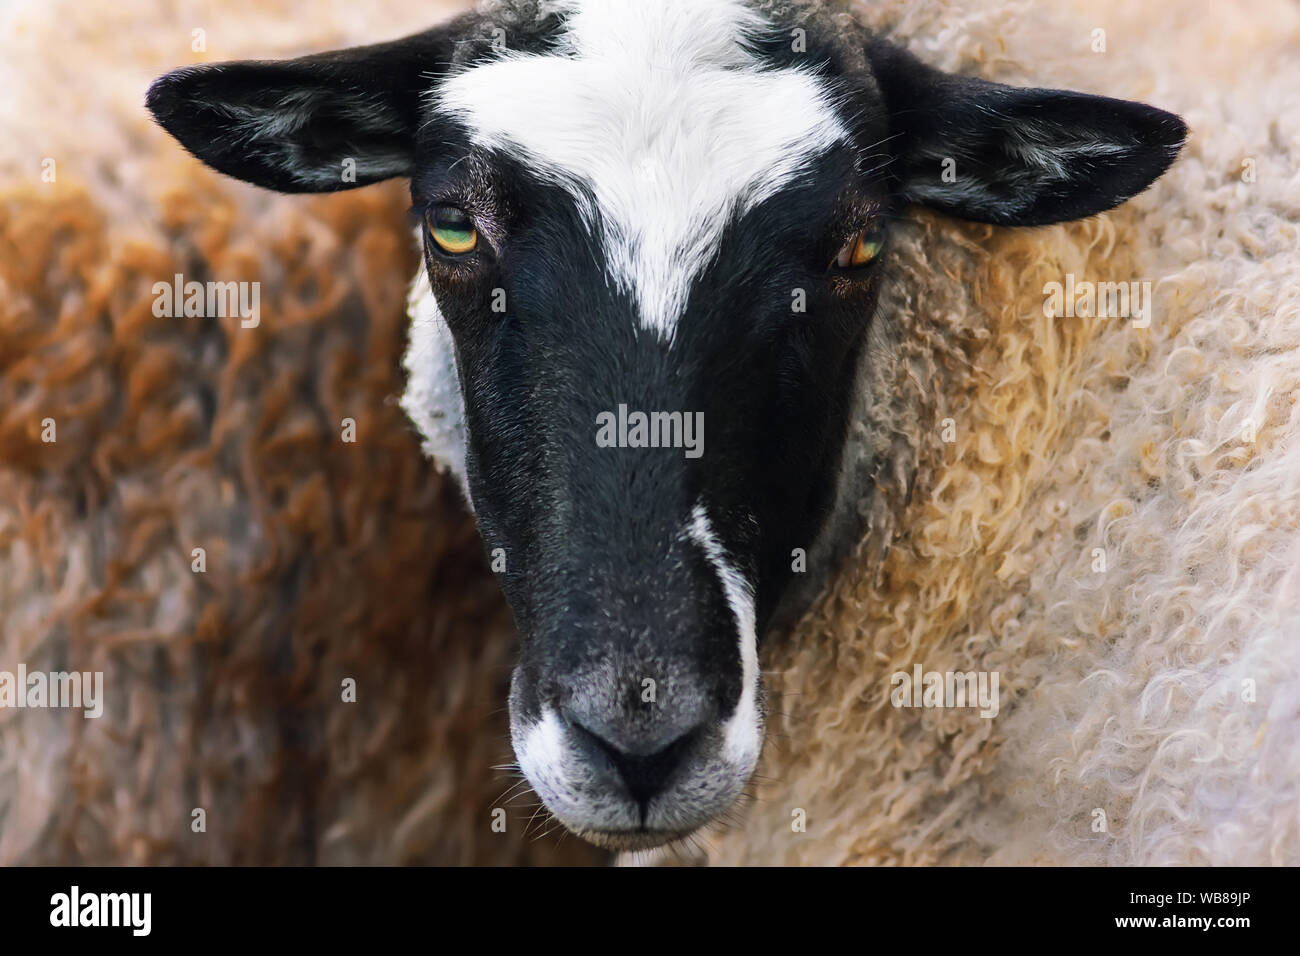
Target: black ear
column 1016, row 157
column 294, row 125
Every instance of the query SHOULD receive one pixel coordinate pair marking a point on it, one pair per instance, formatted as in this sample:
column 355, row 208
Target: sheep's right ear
column 315, row 124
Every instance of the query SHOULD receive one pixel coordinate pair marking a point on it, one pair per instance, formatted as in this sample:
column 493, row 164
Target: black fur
column 1109, row 150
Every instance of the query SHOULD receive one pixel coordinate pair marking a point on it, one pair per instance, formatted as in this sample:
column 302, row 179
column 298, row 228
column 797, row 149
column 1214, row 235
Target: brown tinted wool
column 325, row 560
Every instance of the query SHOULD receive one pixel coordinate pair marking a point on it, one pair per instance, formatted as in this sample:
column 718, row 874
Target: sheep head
column 654, row 235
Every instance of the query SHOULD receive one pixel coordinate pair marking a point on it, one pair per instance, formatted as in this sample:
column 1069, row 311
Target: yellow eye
column 451, row 229
column 863, row 248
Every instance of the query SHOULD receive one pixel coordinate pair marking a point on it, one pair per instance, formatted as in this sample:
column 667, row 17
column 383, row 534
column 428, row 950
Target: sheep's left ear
column 319, row 123
column 1016, row 157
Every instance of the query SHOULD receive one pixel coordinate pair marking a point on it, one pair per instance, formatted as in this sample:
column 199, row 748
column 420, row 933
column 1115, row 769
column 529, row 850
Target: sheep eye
column 451, row 229
column 861, row 249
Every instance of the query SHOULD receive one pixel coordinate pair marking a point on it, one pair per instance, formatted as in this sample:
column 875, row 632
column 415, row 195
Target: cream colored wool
column 1175, row 450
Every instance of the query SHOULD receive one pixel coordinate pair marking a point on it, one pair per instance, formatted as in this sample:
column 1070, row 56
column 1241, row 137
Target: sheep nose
column 644, row 753
column 645, row 774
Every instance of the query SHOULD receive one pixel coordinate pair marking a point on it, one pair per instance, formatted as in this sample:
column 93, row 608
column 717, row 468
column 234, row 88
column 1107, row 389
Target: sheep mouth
column 629, row 840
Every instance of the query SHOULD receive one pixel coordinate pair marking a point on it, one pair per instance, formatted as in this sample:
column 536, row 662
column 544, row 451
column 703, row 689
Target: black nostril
column 644, row 775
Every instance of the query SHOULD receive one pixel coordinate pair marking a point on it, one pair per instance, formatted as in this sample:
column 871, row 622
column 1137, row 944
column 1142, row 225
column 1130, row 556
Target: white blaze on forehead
column 741, row 731
column 658, row 111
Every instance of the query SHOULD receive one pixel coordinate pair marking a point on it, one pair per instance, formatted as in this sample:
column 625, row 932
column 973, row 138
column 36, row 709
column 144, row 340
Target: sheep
column 961, row 577
column 619, row 203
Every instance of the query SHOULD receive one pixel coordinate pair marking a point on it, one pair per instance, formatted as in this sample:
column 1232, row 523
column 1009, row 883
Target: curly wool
column 1115, row 529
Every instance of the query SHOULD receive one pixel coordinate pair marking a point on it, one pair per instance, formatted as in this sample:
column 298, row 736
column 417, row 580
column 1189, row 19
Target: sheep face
column 654, row 234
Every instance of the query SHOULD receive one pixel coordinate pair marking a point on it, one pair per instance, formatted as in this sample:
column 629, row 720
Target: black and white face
column 654, row 232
